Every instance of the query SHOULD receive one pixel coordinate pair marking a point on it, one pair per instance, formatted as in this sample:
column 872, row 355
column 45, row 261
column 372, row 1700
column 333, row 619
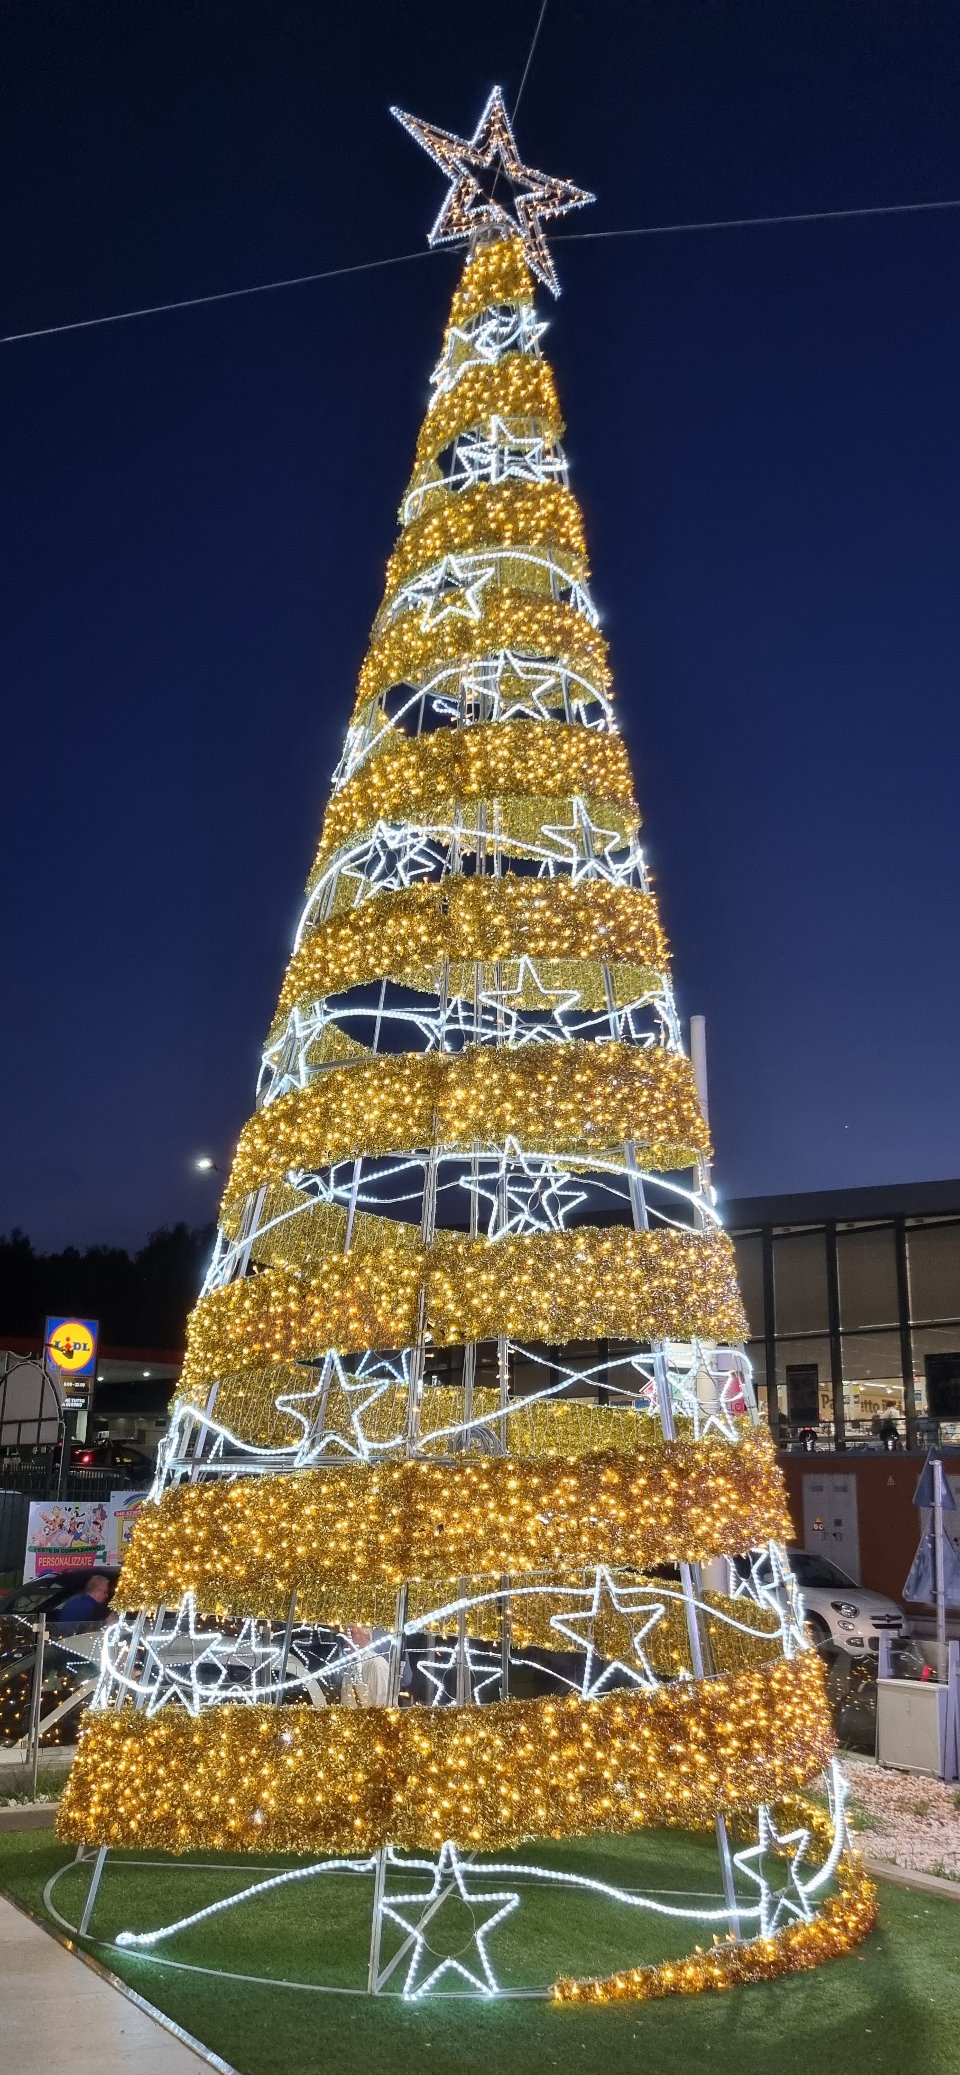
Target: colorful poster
column 79, row 1534
column 124, row 1507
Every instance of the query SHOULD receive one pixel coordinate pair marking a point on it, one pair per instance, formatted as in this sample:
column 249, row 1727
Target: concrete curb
column 29, row 1815
column 906, row 1877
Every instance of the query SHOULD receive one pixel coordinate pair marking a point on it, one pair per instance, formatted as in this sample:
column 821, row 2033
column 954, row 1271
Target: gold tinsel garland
column 518, row 385
column 354, row 1779
column 490, row 515
column 565, row 1098
column 842, row 1922
column 252, row 1543
column 406, row 652
column 411, row 773
column 494, row 273
column 246, row 1406
column 474, row 920
column 587, row 1284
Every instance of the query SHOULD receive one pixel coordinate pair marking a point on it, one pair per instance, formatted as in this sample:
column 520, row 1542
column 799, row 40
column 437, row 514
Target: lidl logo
column 71, row 1346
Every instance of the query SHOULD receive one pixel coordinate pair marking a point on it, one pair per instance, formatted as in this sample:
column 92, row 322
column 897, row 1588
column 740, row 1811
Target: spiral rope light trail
column 465, row 1537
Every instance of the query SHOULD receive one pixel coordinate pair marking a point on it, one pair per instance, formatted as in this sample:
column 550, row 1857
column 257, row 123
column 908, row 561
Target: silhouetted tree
column 141, row 1299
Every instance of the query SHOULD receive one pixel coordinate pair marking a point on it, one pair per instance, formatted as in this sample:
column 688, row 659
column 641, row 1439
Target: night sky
column 198, row 506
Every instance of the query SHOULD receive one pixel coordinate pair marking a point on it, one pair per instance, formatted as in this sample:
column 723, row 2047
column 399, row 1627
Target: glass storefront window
column 933, row 1252
column 872, row 1379
column 800, row 1281
column 933, row 1341
column 868, row 1277
column 797, row 1388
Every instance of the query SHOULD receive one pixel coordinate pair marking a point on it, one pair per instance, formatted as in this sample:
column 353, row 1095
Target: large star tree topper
column 476, row 166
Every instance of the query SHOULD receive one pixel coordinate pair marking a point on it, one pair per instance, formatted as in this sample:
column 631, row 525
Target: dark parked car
column 45, row 1595
column 135, row 1463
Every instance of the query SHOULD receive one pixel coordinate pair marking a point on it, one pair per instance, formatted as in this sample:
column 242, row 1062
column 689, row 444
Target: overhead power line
column 369, row 266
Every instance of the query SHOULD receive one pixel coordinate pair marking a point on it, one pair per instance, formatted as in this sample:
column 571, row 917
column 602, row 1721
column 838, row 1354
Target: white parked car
column 837, row 1611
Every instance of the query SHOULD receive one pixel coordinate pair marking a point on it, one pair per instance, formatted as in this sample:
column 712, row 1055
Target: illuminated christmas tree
column 465, row 1432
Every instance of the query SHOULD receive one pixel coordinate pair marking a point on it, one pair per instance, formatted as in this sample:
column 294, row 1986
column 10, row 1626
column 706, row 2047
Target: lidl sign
column 70, row 1346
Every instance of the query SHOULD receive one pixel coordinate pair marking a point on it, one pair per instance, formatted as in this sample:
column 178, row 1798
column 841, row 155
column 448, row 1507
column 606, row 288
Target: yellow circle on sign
column 72, row 1346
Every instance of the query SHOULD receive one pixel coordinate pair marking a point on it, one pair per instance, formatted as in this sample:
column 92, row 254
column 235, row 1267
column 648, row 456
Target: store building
column 853, row 1298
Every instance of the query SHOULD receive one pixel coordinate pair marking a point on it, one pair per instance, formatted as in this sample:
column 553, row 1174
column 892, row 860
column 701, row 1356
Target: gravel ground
column 905, row 1818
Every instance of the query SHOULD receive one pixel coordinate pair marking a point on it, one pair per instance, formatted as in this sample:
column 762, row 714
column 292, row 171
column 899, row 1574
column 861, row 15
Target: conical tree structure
column 465, row 1433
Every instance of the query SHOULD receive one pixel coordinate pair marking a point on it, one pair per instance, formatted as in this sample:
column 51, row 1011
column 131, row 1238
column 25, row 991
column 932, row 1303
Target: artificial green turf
column 894, row 2006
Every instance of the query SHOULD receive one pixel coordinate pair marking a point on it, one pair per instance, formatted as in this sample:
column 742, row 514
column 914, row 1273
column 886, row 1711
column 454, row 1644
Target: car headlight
column 844, row 1606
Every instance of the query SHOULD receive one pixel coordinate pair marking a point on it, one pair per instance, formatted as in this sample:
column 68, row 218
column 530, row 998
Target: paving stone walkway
column 58, row 2015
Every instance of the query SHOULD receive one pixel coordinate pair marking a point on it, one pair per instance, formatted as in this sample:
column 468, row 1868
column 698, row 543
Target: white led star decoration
column 363, row 1387
column 784, row 1896
column 450, row 591
column 589, row 850
column 484, row 1669
column 578, row 1628
column 192, row 1668
column 395, row 855
column 480, row 167
column 510, row 330
column 527, row 1192
column 414, row 1913
column 499, row 454
column 699, row 1393
column 770, row 1584
column 530, row 996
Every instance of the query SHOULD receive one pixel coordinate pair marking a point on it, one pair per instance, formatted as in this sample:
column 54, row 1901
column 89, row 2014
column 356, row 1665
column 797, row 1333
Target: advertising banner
column 79, row 1535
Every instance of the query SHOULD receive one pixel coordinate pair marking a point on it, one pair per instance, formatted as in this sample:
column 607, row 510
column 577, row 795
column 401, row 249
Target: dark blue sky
column 763, row 427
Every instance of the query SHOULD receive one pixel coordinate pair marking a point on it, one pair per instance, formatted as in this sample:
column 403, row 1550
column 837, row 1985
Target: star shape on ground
column 777, row 1903
column 626, row 1602
column 414, row 1913
column 475, row 167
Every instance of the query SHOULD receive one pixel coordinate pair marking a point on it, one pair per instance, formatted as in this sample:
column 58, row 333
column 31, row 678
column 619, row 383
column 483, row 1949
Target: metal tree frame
column 378, row 1405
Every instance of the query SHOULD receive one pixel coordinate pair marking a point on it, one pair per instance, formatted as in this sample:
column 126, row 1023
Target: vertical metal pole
column 380, row 1874
column 698, row 1061
column 770, row 1330
column 36, row 1699
column 939, row 1595
column 906, row 1330
column 464, row 1694
column 98, row 1865
column 285, row 1647
column 833, row 1326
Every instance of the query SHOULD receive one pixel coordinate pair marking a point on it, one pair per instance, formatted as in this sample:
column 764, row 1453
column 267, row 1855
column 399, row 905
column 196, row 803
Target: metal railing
column 52, row 1700
column 860, row 1437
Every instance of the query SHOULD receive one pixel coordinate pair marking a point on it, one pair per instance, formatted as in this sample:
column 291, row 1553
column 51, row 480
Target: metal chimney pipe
column 698, row 1060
